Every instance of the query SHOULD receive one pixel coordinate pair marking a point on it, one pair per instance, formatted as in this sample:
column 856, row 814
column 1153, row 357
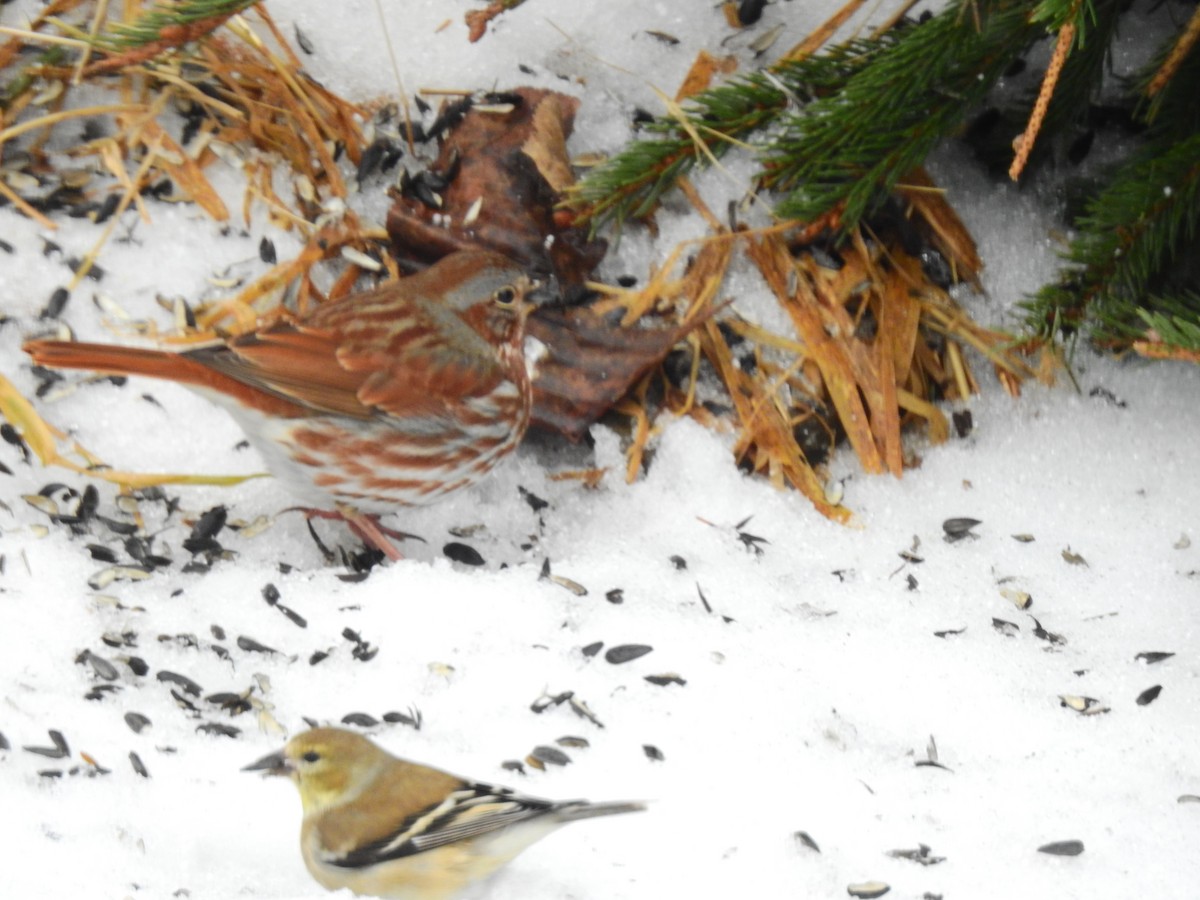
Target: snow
column 813, row 686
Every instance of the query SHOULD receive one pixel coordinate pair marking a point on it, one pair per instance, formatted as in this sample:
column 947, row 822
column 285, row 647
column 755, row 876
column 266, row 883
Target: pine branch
column 631, row 183
column 1146, row 219
column 1175, row 321
column 854, row 146
column 164, row 22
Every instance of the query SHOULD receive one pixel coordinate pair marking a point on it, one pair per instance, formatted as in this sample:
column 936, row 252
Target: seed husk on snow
column 920, row 855
column 1006, row 628
column 138, row 766
column 101, row 666
column 136, row 722
column 250, row 645
column 546, row 754
column 868, row 889
column 1150, row 657
column 190, row 687
column 1085, row 706
column 1019, row 599
column 412, row 718
column 804, row 839
column 958, row 528
column 60, row 750
column 666, row 678
column 624, row 653
column 653, row 753
column 1062, row 848
column 1149, row 695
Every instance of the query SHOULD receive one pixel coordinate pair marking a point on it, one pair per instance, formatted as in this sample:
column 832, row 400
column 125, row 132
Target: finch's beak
column 272, row 764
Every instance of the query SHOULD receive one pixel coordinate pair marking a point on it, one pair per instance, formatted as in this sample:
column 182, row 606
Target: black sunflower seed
column 1149, row 695
column 551, row 755
column 138, row 765
column 190, row 687
column 463, row 553
column 250, row 645
column 624, row 653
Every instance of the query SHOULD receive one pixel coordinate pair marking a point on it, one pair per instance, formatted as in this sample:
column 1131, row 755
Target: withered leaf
column 590, row 364
column 508, row 169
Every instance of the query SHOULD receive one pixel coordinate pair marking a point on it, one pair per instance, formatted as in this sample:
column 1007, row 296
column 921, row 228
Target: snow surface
column 813, row 686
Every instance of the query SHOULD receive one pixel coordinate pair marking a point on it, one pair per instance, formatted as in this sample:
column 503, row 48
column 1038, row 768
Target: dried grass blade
column 831, row 356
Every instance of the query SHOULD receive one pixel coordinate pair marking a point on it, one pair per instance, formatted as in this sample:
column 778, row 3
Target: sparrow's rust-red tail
column 177, row 367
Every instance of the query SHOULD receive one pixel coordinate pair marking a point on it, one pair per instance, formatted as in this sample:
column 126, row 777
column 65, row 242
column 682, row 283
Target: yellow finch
column 386, row 827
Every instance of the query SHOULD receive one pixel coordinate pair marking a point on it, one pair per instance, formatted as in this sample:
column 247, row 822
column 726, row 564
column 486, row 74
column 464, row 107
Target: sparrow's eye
column 506, row 297
column 311, row 756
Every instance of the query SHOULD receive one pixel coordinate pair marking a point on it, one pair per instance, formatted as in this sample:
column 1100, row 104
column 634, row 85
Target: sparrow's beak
column 272, row 764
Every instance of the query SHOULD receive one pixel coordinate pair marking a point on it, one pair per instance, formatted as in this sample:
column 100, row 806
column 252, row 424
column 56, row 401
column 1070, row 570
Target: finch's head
column 328, row 765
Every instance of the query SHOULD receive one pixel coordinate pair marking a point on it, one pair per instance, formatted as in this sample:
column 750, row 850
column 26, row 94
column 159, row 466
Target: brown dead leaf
column 502, row 195
column 592, row 361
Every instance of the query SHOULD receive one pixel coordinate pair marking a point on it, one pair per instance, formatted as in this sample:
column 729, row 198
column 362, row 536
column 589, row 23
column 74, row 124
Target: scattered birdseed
column 250, row 645
column 1042, row 634
column 1085, row 706
column 190, row 687
column 544, row 702
column 463, row 553
column 1149, row 695
column 1073, row 558
column 138, row 765
column 536, row 503
column 666, row 678
column 1019, row 599
column 136, row 721
column 60, row 750
column 1062, row 848
column 868, row 889
column 920, row 855
column 653, row 753
column 959, row 528
column 624, row 653
column 1150, row 657
column 101, row 666
column 804, row 839
column 551, row 755
column 1006, row 628
column 412, row 718
column 362, row 720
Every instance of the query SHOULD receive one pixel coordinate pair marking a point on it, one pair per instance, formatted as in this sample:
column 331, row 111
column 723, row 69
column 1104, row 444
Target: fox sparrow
column 392, row 397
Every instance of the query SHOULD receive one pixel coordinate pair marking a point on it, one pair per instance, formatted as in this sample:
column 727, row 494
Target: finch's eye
column 311, row 756
column 505, row 297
